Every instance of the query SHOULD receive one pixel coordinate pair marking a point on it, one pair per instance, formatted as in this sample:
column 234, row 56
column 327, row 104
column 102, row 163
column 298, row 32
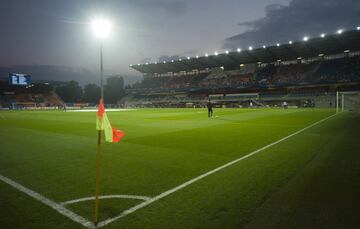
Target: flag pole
column 98, row 147
column 97, row 182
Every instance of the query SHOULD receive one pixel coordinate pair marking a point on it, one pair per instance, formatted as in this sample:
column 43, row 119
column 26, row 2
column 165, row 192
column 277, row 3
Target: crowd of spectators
column 326, row 71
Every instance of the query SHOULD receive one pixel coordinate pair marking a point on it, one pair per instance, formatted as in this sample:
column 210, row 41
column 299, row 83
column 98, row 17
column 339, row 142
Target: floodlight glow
column 180, row 59
column 172, row 61
column 290, row 42
column 277, row 44
column 164, row 62
column 146, row 63
column 227, row 52
column 101, row 27
column 340, row 31
column 131, row 65
column 197, row 57
column 250, row 48
column 155, row 62
column 188, row 57
column 138, row 64
column 239, row 49
column 206, row 54
column 264, row 46
column 358, row 28
column 322, row 35
column 216, row 53
column 305, row 38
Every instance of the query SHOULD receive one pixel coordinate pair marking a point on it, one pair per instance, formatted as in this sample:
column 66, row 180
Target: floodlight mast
column 101, row 30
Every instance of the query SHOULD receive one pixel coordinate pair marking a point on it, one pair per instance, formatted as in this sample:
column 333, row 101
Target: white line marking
column 106, row 197
column 57, row 207
column 177, row 188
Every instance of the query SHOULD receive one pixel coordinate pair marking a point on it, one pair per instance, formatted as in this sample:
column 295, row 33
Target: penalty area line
column 177, row 188
column 57, row 207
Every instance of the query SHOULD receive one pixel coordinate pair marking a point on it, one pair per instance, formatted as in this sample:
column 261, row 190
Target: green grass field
column 310, row 180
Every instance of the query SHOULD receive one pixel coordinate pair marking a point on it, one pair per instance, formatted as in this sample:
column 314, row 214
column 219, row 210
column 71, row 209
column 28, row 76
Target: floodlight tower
column 101, row 28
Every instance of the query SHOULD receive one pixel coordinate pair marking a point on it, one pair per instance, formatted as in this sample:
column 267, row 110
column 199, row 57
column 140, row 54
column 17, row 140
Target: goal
column 347, row 101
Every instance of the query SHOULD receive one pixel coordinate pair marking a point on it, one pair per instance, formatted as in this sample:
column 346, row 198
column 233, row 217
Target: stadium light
column 264, row 46
column 340, row 31
column 227, row 51
column 322, row 35
column 164, row 62
column 358, row 28
column 206, row 54
column 290, row 42
column 101, row 27
column 197, row 57
column 172, row 61
column 306, row 38
column 250, row 48
column 138, row 64
column 147, row 63
column 239, row 50
column 188, row 57
column 180, row 59
column 277, row 44
column 216, row 53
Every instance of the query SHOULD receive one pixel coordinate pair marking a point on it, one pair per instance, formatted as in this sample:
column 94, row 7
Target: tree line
column 73, row 92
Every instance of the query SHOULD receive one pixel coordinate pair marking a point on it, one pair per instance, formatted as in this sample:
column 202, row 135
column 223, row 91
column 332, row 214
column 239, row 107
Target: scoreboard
column 19, row 79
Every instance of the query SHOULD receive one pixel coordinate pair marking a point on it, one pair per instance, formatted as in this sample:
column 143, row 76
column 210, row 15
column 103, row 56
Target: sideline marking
column 177, row 188
column 105, row 197
column 57, row 207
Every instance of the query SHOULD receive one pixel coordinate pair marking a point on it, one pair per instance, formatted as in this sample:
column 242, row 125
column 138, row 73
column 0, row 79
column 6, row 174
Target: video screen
column 19, row 79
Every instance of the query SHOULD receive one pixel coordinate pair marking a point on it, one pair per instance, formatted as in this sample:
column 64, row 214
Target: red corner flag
column 102, row 123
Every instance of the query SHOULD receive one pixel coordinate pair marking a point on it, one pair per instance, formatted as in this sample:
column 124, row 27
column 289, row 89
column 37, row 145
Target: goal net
column 348, row 101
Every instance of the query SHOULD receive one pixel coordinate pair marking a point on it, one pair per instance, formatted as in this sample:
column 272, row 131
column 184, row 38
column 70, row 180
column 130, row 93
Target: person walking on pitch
column 210, row 110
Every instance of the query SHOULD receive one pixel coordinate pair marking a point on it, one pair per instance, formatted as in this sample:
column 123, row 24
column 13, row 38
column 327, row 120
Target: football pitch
column 177, row 168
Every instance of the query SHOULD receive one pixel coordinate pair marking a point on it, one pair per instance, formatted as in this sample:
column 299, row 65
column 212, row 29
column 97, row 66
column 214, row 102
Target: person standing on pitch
column 210, row 110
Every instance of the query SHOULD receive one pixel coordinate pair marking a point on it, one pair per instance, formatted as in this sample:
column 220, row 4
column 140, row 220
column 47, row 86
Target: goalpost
column 347, row 101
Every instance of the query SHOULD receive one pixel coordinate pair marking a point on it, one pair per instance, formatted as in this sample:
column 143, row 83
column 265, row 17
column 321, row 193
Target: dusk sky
column 57, row 33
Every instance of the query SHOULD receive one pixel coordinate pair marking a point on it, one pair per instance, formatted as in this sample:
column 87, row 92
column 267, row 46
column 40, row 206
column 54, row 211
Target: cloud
column 299, row 18
column 175, row 7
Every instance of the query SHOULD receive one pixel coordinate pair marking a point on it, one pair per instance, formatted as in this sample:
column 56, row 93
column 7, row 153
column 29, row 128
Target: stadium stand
column 295, row 73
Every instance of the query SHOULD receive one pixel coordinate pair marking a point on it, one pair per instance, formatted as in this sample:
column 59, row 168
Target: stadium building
column 302, row 73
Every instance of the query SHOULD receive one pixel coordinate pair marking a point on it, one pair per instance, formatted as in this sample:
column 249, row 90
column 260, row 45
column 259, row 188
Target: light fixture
column 322, row 35
column 101, row 27
column 340, row 31
column 206, row 54
column 197, row 57
column 290, row 42
column 277, row 44
column 239, row 50
column 306, row 38
column 216, row 53
column 227, row 51
column 264, row 46
column 250, row 48
column 358, row 28
column 188, row 57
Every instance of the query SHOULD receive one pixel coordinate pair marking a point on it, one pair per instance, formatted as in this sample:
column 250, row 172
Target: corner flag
column 102, row 123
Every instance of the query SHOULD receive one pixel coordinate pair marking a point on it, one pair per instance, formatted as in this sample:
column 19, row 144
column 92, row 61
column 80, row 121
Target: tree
column 114, row 89
column 70, row 92
column 91, row 93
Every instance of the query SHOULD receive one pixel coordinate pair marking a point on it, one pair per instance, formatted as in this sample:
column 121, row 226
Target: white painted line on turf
column 105, row 197
column 57, row 207
column 177, row 188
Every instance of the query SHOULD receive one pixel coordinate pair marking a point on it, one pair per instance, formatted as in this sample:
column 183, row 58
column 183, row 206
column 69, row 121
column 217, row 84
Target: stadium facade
column 302, row 73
